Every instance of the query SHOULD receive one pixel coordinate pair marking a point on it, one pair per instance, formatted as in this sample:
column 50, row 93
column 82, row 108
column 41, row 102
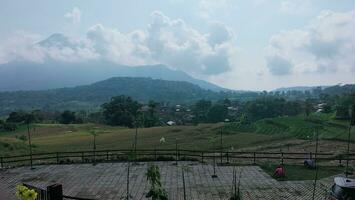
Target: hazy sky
column 238, row 44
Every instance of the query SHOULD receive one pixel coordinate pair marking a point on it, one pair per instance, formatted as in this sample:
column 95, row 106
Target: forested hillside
column 91, row 96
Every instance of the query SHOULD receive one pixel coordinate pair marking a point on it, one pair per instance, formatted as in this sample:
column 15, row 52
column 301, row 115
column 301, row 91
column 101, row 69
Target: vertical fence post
column 254, row 158
column 57, row 155
column 127, row 191
column 155, row 154
column 202, row 156
column 176, row 152
column 2, row 162
column 183, row 183
column 55, row 192
column 282, row 158
column 82, row 157
column 227, row 157
column 107, row 155
column 340, row 156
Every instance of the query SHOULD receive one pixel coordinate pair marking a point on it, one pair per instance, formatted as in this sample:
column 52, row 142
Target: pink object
column 279, row 172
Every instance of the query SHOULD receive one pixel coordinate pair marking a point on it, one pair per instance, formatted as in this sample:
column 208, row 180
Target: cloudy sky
column 237, row 44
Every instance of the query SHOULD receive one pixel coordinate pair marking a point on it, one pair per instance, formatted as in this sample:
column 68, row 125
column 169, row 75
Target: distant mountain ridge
column 298, row 88
column 54, row 72
column 16, row 76
column 91, row 96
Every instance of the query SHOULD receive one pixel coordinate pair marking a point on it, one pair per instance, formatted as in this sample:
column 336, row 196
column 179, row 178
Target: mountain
column 51, row 74
column 56, row 72
column 93, row 95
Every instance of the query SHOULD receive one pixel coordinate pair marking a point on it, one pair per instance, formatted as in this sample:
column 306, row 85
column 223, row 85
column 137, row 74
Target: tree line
column 126, row 111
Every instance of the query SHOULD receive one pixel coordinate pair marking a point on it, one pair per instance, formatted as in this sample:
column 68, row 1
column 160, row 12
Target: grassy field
column 271, row 132
column 299, row 172
column 300, row 127
column 56, row 137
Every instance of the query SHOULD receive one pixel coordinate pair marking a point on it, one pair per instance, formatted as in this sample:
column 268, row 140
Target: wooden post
column 94, row 149
column 214, row 166
column 107, row 155
column 2, row 162
column 82, row 157
column 183, row 182
column 176, row 152
column 221, row 146
column 128, row 195
column 347, row 152
column 254, row 159
column 227, row 157
column 55, row 192
column 340, row 161
column 135, row 141
column 57, row 154
column 282, row 158
column 155, row 154
column 202, row 156
column 29, row 143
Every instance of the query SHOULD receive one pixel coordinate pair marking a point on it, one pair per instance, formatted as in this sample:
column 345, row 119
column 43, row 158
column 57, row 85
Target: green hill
column 92, row 96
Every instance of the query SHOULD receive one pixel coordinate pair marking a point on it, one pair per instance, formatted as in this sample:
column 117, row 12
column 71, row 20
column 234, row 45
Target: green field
column 58, row 137
column 300, row 127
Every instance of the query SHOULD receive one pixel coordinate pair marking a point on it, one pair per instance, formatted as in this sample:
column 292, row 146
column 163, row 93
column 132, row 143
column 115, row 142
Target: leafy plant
column 24, row 193
column 156, row 192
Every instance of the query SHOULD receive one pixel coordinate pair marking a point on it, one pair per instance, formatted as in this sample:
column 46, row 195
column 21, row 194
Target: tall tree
column 201, row 109
column 67, row 117
column 217, row 113
column 121, row 111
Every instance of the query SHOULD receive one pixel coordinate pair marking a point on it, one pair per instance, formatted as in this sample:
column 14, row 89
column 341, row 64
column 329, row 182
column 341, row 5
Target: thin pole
column 127, row 192
column 239, row 180
column 29, row 142
column 235, row 182
column 95, row 149
column 221, row 145
column 315, row 162
column 183, row 182
column 214, row 165
column 135, row 142
column 347, row 152
column 176, row 151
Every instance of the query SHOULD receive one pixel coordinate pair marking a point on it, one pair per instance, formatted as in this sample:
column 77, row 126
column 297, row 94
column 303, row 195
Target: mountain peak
column 57, row 40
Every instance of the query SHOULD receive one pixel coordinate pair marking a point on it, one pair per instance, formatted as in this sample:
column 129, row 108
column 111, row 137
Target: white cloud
column 127, row 49
column 74, row 15
column 165, row 41
column 174, row 43
column 20, row 47
column 326, row 45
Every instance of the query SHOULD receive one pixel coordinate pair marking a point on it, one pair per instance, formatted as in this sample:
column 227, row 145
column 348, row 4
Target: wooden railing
column 115, row 155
